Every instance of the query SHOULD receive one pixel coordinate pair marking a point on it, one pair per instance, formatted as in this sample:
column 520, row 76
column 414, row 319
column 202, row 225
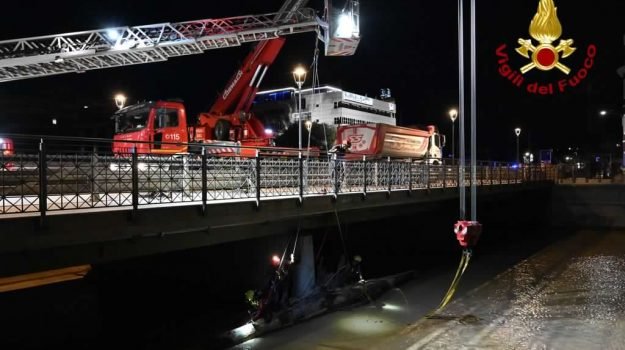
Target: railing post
column 301, row 178
column 390, row 175
column 410, row 177
column 258, row 187
column 92, row 165
column 135, row 179
column 444, row 170
column 43, row 183
column 457, row 165
column 484, row 173
column 508, row 174
column 337, row 176
column 364, row 187
column 204, row 180
column 427, row 173
column 499, row 173
column 556, row 174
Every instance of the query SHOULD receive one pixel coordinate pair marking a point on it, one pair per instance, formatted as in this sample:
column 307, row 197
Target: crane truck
column 162, row 127
column 383, row 140
column 164, row 123
column 229, row 126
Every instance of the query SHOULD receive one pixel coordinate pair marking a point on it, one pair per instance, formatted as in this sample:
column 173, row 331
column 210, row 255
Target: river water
column 569, row 295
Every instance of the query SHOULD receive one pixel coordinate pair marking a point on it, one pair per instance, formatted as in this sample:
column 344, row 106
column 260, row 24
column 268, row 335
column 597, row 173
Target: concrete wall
column 588, row 206
column 147, row 300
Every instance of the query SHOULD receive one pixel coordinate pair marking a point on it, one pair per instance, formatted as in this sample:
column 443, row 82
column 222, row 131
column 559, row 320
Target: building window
column 355, row 107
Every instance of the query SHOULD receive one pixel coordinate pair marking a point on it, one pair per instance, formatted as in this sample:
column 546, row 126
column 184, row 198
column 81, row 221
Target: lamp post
column 517, row 131
column 309, row 128
column 299, row 75
column 120, row 100
column 453, row 115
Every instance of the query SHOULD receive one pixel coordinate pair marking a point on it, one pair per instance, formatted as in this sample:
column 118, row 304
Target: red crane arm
column 243, row 86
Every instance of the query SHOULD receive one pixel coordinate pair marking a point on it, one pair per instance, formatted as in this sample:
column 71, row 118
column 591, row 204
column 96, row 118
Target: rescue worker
column 339, row 168
column 274, row 296
column 356, row 269
column 341, row 149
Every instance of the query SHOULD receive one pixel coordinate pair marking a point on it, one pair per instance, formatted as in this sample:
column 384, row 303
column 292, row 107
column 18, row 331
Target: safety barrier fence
column 53, row 175
column 588, row 173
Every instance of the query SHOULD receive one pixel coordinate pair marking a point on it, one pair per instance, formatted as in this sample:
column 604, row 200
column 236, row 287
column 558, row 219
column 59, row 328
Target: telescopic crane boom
column 161, row 126
column 79, row 52
column 231, row 110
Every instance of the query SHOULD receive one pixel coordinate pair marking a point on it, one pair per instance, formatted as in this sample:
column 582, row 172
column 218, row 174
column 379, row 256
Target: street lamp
column 120, row 100
column 299, row 75
column 453, row 115
column 517, row 131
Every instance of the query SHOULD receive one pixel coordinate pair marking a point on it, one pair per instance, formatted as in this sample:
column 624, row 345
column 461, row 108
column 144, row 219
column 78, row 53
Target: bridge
column 67, row 201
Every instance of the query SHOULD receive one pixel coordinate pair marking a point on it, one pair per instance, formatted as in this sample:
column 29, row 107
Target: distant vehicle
column 383, row 140
column 7, row 151
column 6, row 146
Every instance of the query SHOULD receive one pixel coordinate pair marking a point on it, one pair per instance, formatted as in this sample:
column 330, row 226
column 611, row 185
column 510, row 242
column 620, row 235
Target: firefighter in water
column 274, row 296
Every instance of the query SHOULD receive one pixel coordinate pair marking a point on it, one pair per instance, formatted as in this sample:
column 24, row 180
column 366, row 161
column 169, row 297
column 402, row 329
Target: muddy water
column 570, row 295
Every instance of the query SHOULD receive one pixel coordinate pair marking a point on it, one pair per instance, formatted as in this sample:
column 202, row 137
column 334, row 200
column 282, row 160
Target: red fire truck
column 162, row 127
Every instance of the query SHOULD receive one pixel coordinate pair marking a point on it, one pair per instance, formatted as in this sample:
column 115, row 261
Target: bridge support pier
column 304, row 274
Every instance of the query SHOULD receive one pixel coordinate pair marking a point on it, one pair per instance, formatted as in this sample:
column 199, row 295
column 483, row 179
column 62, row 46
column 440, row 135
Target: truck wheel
column 222, row 130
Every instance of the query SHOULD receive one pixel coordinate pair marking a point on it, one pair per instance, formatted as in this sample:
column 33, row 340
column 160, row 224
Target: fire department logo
column 546, row 28
column 546, row 51
column 355, row 138
column 358, row 142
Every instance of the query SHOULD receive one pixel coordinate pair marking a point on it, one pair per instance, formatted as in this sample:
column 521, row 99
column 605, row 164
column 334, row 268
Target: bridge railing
column 588, row 173
column 49, row 175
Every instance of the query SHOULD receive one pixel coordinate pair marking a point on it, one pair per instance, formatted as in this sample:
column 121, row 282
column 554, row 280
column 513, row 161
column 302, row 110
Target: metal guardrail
column 63, row 175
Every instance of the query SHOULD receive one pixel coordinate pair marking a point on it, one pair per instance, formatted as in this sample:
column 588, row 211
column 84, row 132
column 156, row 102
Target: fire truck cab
column 152, row 128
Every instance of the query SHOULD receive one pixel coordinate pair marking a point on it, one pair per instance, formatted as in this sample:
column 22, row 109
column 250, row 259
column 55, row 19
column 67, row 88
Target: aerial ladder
column 157, row 124
column 79, row 52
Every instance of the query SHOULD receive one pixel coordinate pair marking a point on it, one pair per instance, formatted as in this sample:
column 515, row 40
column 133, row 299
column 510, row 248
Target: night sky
column 407, row 46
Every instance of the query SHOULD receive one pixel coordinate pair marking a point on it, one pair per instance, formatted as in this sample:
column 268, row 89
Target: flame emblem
column 546, row 29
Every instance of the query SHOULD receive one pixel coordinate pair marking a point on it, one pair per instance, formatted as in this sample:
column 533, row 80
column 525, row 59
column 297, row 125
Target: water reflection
column 570, row 296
